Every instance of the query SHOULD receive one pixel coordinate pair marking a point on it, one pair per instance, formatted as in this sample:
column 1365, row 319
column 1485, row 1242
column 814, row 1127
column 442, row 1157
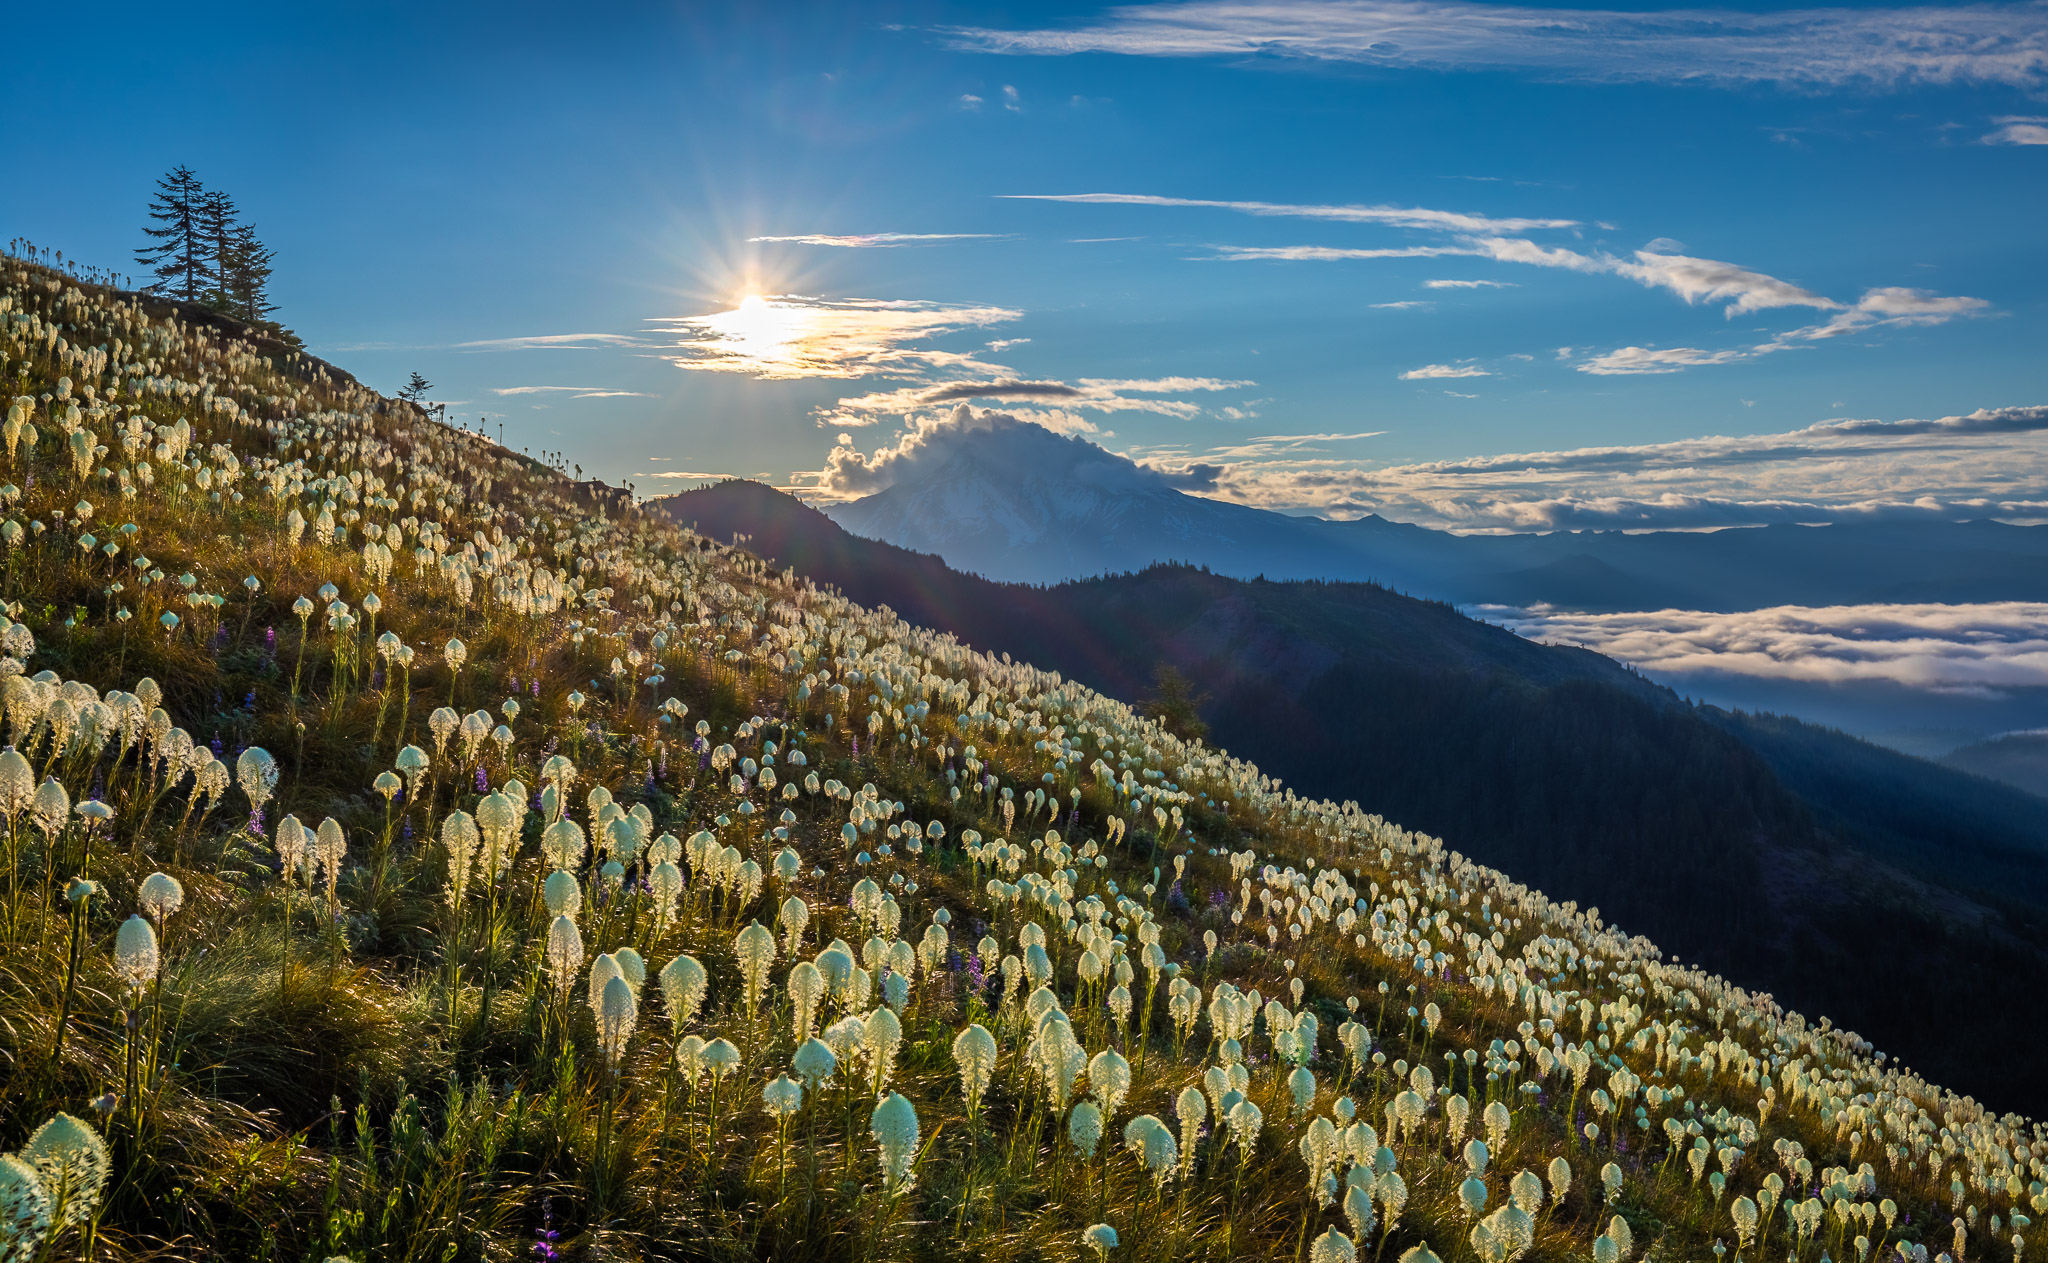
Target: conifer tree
column 245, row 276
column 216, row 216
column 177, row 254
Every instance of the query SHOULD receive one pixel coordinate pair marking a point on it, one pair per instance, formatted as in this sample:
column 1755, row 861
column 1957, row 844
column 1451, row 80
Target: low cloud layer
column 1821, row 47
column 1944, row 648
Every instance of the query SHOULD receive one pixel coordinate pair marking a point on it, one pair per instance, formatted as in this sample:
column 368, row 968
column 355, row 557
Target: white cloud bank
column 1863, row 47
column 1946, row 648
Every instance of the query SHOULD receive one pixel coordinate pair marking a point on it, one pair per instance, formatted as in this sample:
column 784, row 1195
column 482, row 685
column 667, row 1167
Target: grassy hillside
column 1755, row 846
column 413, row 855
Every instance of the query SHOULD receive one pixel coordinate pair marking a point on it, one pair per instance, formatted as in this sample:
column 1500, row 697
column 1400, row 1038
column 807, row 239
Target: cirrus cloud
column 2031, row 130
column 1430, row 372
column 1736, row 289
column 877, row 240
column 1874, row 48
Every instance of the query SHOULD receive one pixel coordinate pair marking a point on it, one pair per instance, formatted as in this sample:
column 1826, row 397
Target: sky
column 1485, row 267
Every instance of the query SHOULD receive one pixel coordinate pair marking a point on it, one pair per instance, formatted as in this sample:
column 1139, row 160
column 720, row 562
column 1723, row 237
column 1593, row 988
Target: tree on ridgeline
column 177, row 254
column 415, row 391
column 216, row 214
column 201, row 252
column 245, row 276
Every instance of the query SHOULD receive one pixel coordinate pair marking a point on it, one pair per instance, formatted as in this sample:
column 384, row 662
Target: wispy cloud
column 790, row 337
column 551, row 342
column 1877, row 309
column 2019, row 131
column 1089, row 394
column 1632, row 361
column 1391, row 216
column 1841, row 47
column 1404, row 305
column 1431, row 371
column 578, row 392
column 1736, row 289
column 873, row 240
column 1326, row 254
column 1945, row 648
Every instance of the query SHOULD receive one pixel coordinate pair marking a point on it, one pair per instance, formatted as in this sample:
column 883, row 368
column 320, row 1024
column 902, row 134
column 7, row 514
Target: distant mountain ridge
column 1015, row 502
column 2019, row 759
column 1793, row 858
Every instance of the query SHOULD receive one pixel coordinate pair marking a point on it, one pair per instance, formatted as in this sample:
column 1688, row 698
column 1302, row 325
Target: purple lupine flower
column 249, row 701
column 544, row 1240
column 483, row 780
column 536, row 688
column 270, row 640
column 256, row 822
column 407, row 832
column 219, row 747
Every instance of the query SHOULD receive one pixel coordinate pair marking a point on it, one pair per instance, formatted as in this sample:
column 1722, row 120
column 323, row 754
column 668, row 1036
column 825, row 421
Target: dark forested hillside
column 1840, row 877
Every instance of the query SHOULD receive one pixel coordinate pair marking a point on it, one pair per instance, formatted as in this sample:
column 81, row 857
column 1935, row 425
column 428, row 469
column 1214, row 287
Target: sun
column 759, row 328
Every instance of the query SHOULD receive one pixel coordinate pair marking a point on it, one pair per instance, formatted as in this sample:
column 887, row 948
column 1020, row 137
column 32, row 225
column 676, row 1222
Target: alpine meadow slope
column 412, row 853
column 1758, row 845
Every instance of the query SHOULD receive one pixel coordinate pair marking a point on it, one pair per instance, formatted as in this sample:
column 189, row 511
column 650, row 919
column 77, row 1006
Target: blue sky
column 1653, row 231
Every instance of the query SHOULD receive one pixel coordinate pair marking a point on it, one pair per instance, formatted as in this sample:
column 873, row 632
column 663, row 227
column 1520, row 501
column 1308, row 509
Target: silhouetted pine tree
column 178, row 255
column 245, row 276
